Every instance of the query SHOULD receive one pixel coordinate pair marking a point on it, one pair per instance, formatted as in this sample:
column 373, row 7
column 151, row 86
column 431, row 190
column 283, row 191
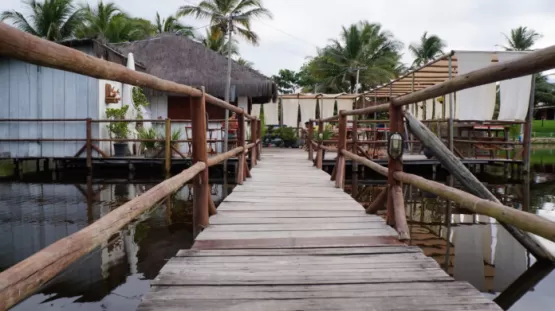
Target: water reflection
column 115, row 275
column 475, row 248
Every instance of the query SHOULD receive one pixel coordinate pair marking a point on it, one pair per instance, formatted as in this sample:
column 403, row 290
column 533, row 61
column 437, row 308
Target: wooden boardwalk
column 289, row 240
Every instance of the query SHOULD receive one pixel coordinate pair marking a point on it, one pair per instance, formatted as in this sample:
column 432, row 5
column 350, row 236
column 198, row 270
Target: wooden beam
column 239, row 178
column 341, row 145
column 400, row 213
column 378, row 203
column 201, row 187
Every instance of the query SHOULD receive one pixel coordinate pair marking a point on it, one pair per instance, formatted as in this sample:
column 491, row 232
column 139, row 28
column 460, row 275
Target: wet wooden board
column 289, row 240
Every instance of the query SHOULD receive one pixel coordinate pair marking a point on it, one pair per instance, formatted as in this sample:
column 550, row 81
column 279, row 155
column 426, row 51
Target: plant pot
column 152, row 153
column 289, row 143
column 121, row 149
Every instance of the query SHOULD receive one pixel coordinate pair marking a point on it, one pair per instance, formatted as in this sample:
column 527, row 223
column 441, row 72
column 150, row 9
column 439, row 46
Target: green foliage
column 149, row 133
column 49, row 19
column 139, row 100
column 327, row 133
column 216, row 41
column 362, row 44
column 521, row 39
column 120, row 130
column 262, row 122
column 215, row 9
column 171, row 24
column 286, row 133
column 428, row 49
column 287, row 81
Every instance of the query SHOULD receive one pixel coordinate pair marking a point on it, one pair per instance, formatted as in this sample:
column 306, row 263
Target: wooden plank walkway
column 289, row 240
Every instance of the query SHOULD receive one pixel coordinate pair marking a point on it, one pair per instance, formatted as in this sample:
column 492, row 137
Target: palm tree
column 52, row 19
column 218, row 11
column 360, row 45
column 171, row 24
column 521, row 39
column 243, row 62
column 428, row 49
column 216, row 41
column 109, row 23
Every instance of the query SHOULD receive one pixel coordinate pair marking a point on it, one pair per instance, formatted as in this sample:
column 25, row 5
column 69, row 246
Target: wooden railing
column 479, row 200
column 24, row 278
column 90, row 148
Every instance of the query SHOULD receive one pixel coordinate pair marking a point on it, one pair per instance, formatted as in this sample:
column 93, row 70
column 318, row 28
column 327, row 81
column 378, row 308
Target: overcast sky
column 299, row 26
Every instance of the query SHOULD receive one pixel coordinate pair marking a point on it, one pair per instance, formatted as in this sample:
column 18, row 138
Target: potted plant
column 289, row 136
column 327, row 134
column 175, row 136
column 118, row 130
column 150, row 148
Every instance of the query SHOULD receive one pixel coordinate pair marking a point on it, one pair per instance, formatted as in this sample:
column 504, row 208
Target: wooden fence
column 24, row 278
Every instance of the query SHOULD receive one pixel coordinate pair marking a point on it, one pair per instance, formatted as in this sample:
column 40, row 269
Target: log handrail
column 22, row 279
column 523, row 220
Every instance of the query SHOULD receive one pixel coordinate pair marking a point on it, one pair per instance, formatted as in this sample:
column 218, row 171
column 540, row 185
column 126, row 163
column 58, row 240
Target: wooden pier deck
column 289, row 240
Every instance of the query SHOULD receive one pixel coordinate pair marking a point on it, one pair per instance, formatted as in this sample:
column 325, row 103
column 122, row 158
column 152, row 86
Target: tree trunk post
column 89, row 144
column 239, row 178
column 254, row 135
column 319, row 152
column 395, row 126
column 309, row 138
column 168, row 150
column 201, row 188
column 341, row 145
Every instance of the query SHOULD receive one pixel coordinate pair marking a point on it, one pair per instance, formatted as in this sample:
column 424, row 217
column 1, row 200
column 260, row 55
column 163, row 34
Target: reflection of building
column 478, row 250
column 33, row 216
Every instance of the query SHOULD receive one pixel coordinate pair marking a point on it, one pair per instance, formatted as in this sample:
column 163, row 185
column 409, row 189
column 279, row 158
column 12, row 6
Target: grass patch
column 544, row 128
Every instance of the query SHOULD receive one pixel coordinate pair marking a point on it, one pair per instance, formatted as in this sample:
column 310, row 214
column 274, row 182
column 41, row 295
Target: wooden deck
column 288, row 240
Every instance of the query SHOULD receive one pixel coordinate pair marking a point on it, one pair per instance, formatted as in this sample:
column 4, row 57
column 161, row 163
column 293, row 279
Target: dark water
column 477, row 249
column 113, row 276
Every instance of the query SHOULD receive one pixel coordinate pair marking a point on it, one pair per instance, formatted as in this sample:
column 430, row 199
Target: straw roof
column 180, row 59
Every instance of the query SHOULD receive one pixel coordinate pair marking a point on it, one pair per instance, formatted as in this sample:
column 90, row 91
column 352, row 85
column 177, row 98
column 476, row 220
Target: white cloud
column 465, row 25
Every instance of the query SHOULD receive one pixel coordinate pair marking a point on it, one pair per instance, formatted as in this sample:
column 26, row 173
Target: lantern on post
column 395, row 145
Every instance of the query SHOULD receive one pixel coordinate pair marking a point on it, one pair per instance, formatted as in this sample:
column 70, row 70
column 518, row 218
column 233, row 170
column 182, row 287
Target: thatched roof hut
column 180, row 59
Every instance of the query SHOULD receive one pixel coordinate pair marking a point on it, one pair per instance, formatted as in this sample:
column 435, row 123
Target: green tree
column 171, row 24
column 287, row 81
column 362, row 44
column 521, row 39
column 108, row 23
column 218, row 11
column 49, row 19
column 243, row 62
column 216, row 41
column 427, row 49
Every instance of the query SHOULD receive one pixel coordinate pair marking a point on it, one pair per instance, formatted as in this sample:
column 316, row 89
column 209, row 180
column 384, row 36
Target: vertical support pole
column 451, row 107
column 254, row 150
column 415, row 105
column 201, row 188
column 259, row 137
column 527, row 139
column 239, row 178
column 320, row 152
column 341, row 145
column 168, row 151
column 89, row 144
column 354, row 164
column 395, row 125
column 310, row 136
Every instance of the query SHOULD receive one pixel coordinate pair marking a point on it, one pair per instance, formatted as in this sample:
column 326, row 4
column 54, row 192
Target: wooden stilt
column 341, row 145
column 201, row 188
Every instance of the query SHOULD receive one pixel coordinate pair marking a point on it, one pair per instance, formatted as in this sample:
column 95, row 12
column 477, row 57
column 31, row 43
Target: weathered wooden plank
column 248, row 235
column 402, row 249
column 298, row 227
column 294, row 214
column 297, row 242
column 218, row 220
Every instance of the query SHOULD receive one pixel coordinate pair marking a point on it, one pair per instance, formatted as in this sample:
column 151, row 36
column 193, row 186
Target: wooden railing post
column 309, row 138
column 239, row 177
column 354, row 164
column 258, row 136
column 89, row 144
column 254, row 136
column 394, row 165
column 201, row 188
column 320, row 151
column 341, row 145
column 168, row 150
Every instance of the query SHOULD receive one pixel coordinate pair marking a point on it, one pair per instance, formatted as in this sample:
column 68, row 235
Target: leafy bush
column 149, row 133
column 120, row 130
